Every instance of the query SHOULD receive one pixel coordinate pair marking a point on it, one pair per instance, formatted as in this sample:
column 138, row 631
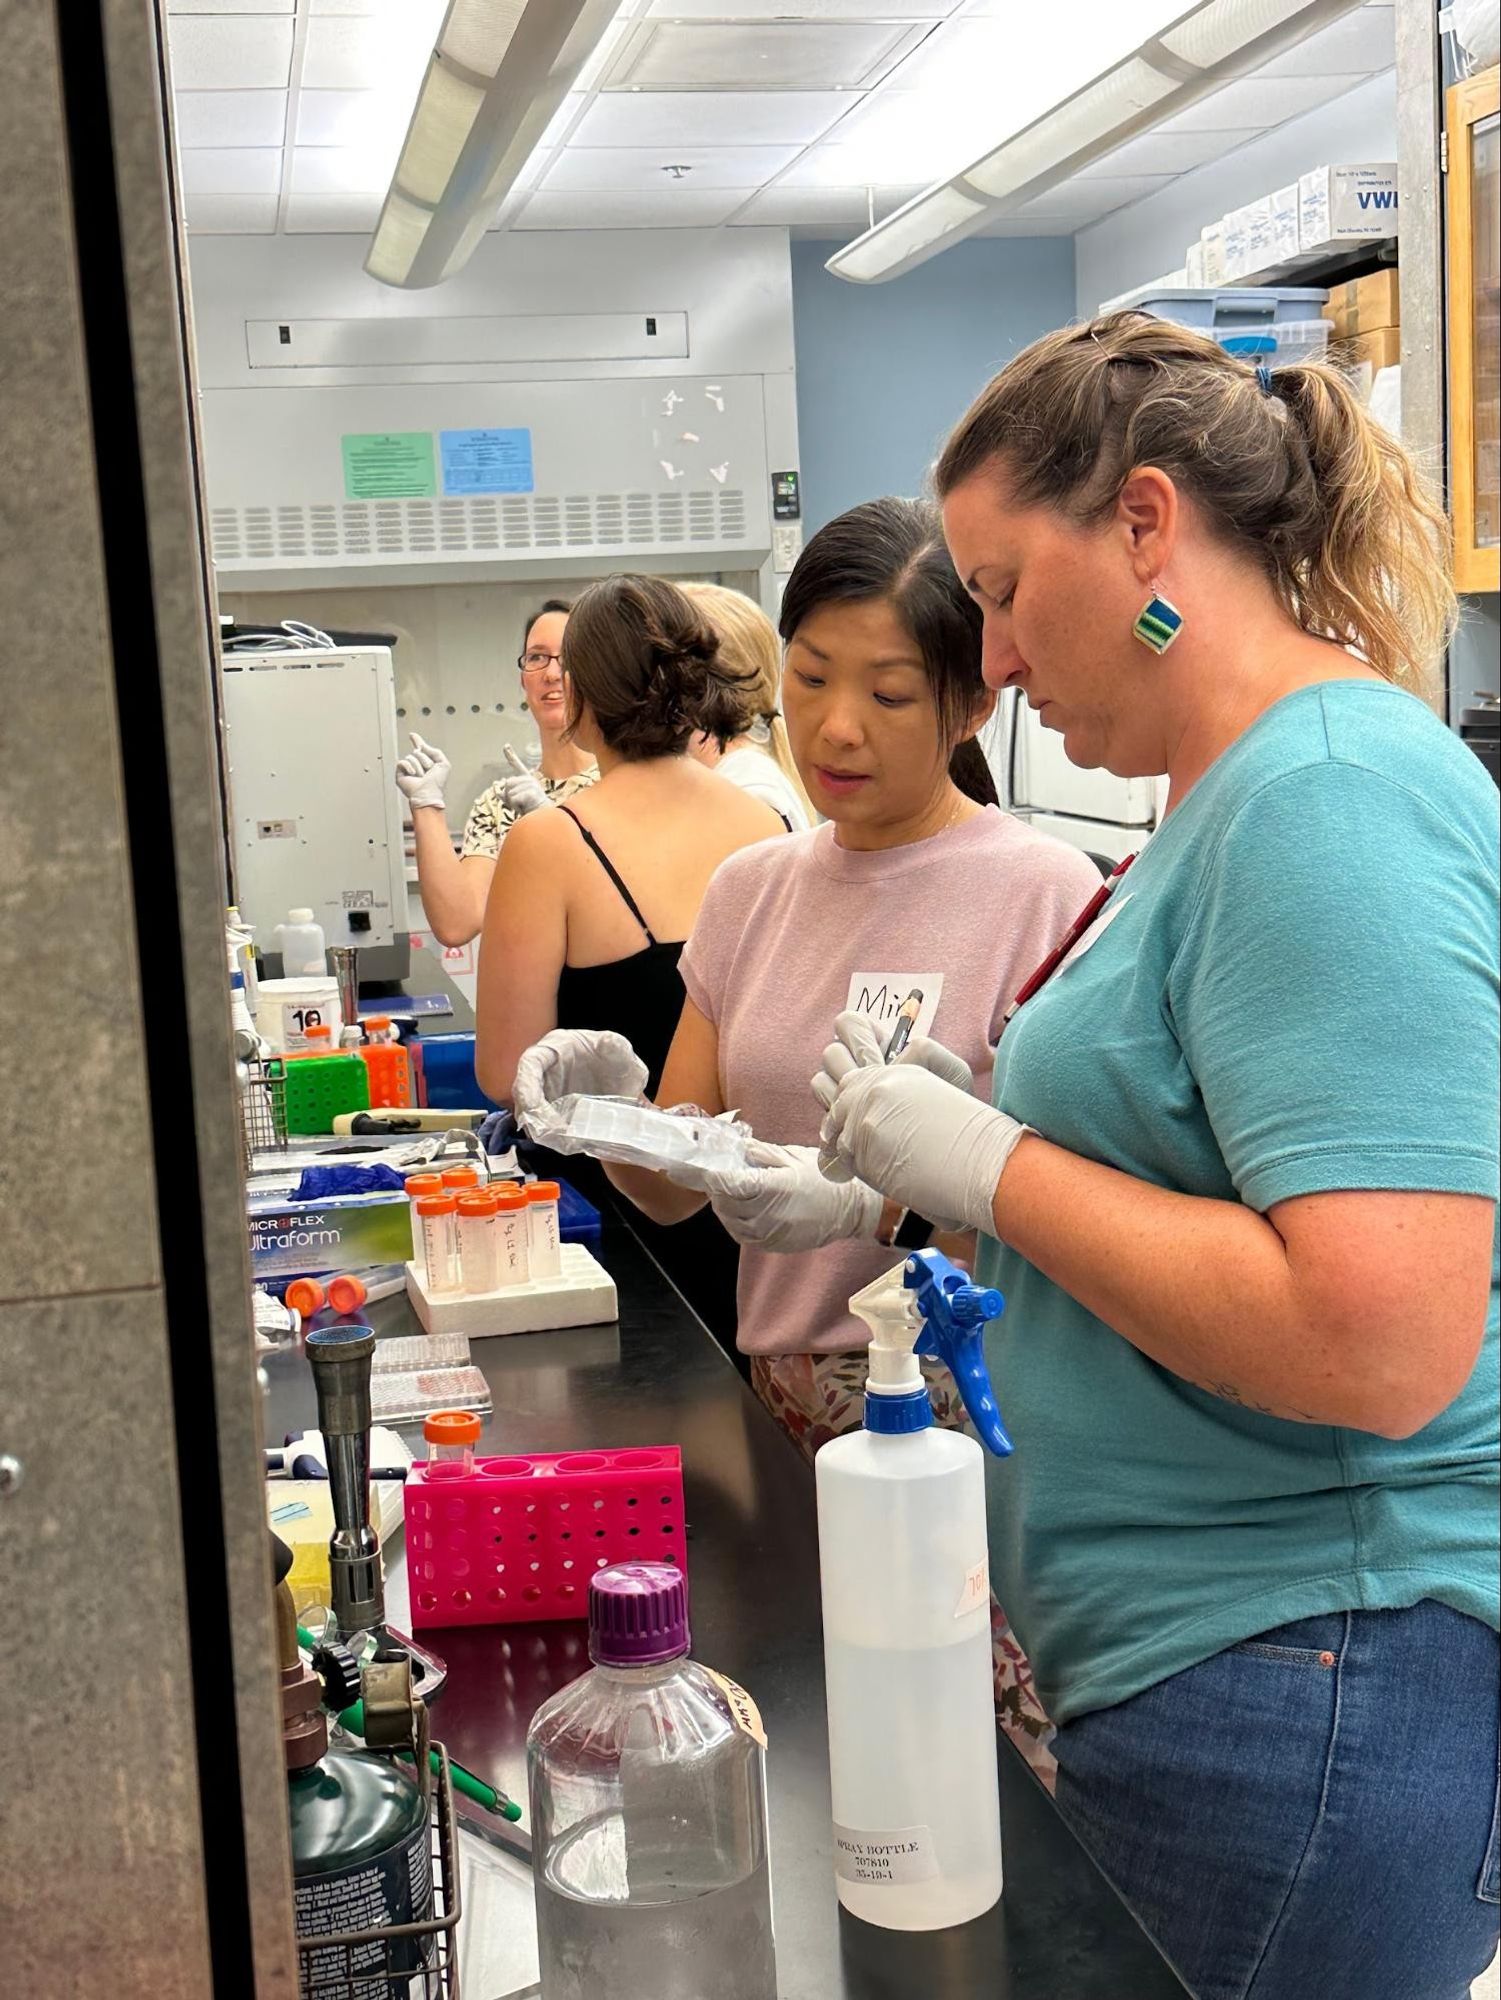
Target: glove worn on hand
column 782, row 1202
column 523, row 792
column 576, row 1062
column 911, row 1130
column 423, row 775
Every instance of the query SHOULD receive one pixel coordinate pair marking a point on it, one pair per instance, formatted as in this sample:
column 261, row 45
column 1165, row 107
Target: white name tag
column 880, row 995
column 1097, row 929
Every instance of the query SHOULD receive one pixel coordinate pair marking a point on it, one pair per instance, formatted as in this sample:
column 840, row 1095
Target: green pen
column 353, row 1719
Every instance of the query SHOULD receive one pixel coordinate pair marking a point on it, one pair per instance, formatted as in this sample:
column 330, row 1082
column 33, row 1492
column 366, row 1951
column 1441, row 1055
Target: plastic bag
column 632, row 1133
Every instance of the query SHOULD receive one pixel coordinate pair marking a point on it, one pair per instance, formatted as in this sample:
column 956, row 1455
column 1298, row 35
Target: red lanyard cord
column 1076, row 930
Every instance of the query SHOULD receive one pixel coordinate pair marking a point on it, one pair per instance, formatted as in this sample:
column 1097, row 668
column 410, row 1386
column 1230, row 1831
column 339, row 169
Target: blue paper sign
column 486, row 461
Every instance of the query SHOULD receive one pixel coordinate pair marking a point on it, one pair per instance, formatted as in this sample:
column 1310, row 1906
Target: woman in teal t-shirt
column 1239, row 1181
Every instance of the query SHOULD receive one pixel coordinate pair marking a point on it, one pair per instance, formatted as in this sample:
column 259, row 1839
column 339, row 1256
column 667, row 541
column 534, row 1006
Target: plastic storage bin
column 1228, row 310
column 519, row 1538
column 448, row 1067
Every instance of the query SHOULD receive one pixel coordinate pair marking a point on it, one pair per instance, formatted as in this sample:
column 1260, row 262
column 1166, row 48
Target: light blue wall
column 884, row 371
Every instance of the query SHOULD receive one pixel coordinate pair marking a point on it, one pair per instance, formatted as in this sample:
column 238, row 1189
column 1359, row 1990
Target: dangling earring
column 1158, row 623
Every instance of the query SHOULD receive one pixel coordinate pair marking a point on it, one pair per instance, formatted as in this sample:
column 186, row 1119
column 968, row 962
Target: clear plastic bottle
column 648, row 1803
column 301, row 944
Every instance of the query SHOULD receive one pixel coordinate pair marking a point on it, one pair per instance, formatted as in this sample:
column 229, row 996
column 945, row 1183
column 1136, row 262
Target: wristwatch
column 910, row 1232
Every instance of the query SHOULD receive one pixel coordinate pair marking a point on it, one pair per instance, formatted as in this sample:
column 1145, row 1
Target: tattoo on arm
column 1228, row 1393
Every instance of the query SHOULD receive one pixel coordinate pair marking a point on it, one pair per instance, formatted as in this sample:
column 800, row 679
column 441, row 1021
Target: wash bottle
column 906, row 1614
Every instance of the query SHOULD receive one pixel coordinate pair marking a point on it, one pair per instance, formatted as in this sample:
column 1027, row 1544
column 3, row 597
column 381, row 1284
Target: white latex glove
column 782, row 1202
column 911, row 1132
column 861, row 1046
column 523, row 791
column 583, row 1062
column 424, row 774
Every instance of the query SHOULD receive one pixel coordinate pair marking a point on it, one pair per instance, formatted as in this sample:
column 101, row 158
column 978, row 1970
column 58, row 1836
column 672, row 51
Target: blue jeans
column 1311, row 1815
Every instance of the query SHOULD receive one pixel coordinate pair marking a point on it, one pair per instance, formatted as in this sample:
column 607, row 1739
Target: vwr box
column 1347, row 204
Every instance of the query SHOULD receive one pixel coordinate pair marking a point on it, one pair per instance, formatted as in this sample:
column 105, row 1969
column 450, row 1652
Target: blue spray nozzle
column 954, row 1311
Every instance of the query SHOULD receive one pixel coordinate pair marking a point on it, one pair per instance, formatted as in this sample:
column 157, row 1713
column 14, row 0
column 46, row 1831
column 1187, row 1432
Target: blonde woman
column 744, row 737
column 1239, row 1182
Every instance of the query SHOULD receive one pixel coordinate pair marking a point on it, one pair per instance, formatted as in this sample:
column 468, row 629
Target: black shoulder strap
column 610, row 869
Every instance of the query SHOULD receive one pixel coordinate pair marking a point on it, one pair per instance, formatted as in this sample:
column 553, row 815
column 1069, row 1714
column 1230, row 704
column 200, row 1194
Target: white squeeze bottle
column 300, row 942
column 906, row 1615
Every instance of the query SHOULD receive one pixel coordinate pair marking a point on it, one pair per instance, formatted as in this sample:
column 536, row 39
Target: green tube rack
column 320, row 1088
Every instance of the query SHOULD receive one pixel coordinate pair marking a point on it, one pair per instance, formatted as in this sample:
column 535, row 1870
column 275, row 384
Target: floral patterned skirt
column 815, row 1397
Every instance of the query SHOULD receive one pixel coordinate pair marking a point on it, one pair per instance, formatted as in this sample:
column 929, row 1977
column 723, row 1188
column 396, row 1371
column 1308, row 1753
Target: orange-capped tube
column 479, row 1233
column 456, row 1178
column 346, row 1293
column 545, row 1243
column 451, row 1436
column 437, row 1219
column 305, row 1296
column 513, row 1236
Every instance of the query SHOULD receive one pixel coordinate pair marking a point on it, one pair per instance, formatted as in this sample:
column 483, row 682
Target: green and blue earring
column 1158, row 623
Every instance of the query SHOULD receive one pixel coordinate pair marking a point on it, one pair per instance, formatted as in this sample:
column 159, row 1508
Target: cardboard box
column 1376, row 350
column 1212, row 237
column 1195, row 266
column 346, row 1232
column 1366, row 305
column 1284, row 205
column 1347, row 204
column 1237, row 245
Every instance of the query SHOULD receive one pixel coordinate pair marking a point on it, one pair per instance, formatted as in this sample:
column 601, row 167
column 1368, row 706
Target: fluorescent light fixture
column 1185, row 61
column 1058, row 137
column 943, row 215
column 497, row 75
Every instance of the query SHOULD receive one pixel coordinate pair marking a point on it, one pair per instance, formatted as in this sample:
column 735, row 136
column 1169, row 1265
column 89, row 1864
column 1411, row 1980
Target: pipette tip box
column 517, row 1539
column 583, row 1296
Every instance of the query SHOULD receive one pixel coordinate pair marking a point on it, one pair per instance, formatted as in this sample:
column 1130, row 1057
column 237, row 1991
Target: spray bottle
column 906, row 1614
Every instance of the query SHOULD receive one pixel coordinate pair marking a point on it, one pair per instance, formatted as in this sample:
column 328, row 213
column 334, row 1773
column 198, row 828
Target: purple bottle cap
column 638, row 1615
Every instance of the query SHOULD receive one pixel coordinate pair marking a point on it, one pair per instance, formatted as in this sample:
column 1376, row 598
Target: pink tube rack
column 516, row 1540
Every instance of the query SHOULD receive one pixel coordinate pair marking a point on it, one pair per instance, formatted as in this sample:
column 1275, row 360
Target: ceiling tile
column 346, row 169
column 806, row 10
column 681, row 208
column 230, row 52
column 231, row 214
column 836, row 209
column 780, row 55
column 347, row 117
column 230, row 117
column 602, row 169
column 1013, row 225
column 1075, row 202
column 710, row 118
column 231, row 6
column 232, row 170
column 1166, row 153
column 431, row 11
column 373, row 52
column 1261, row 102
column 332, row 214
column 903, row 136
column 1364, row 40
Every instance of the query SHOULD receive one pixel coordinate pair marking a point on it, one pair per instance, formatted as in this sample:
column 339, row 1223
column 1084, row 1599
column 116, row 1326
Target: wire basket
column 379, row 1964
column 263, row 1108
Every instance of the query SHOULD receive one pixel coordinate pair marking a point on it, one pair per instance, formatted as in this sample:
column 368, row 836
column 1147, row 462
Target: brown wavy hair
column 646, row 663
column 1288, row 467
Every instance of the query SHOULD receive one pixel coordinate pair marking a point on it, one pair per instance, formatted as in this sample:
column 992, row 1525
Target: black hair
column 553, row 606
column 646, row 663
column 894, row 550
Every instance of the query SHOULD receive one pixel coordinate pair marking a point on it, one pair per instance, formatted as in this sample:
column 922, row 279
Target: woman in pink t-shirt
column 912, row 884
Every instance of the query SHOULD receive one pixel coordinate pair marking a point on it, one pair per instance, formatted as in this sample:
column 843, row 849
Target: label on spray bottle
column 884, row 1860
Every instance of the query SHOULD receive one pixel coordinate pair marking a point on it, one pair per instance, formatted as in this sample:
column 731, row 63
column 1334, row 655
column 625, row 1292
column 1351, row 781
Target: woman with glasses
column 455, row 886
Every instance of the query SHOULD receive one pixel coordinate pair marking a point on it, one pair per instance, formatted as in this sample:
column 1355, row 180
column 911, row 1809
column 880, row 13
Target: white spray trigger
column 889, row 1308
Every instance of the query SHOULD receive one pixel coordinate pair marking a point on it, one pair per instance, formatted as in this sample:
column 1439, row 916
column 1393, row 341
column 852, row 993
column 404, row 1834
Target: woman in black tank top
column 642, row 670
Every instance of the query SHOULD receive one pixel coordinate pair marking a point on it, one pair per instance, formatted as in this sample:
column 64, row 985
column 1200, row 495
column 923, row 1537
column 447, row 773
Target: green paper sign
column 389, row 465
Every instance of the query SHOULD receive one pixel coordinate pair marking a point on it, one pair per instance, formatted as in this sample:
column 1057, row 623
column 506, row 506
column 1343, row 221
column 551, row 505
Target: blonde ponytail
column 1286, row 465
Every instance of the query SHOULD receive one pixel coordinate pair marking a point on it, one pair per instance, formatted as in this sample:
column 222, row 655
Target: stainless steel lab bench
column 1059, row 1932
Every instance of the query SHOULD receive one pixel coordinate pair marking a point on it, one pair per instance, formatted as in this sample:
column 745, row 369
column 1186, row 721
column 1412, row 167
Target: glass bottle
column 648, row 1802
